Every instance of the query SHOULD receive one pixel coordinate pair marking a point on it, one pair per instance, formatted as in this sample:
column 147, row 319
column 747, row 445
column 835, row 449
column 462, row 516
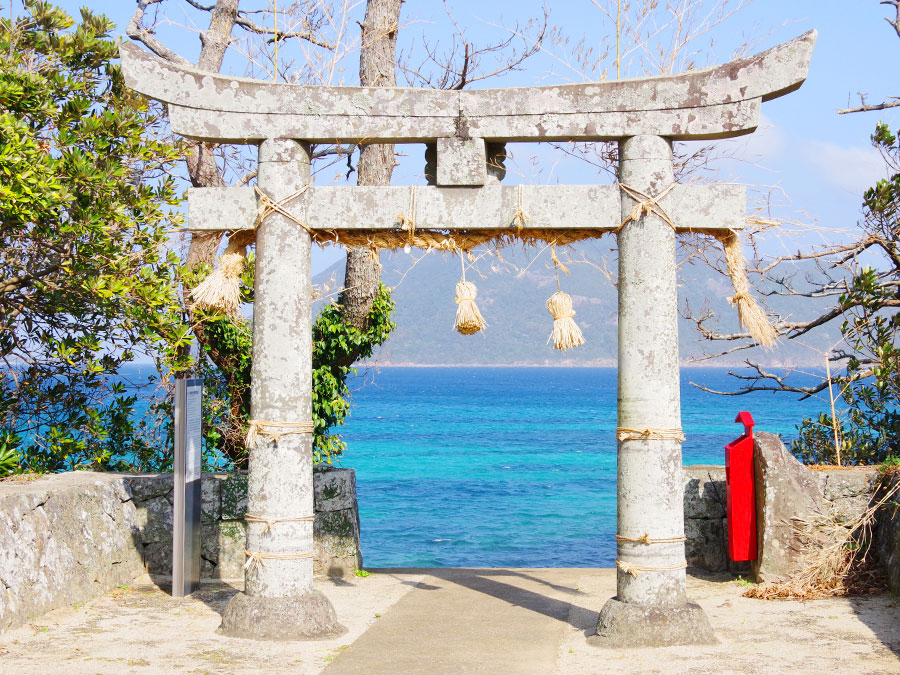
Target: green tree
column 85, row 272
column 861, row 279
column 869, row 432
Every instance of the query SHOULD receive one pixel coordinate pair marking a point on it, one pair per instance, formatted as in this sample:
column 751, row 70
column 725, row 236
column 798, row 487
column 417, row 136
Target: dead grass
column 835, row 556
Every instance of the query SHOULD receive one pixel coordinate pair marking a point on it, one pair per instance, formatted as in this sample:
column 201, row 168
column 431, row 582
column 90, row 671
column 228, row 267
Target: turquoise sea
column 513, row 466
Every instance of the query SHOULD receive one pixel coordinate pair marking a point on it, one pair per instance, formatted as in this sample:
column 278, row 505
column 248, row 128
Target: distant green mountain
column 519, row 325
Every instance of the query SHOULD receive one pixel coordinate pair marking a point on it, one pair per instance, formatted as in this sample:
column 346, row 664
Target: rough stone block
column 157, row 556
column 146, row 486
column 334, row 488
column 847, row 483
column 336, row 543
column 234, row 496
column 211, row 496
column 704, row 492
column 63, row 539
column 887, row 542
column 787, row 493
column 232, row 542
column 706, row 546
column 154, row 520
column 461, row 161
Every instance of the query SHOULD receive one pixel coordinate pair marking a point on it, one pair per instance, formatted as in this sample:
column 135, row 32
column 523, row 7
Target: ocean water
column 513, row 466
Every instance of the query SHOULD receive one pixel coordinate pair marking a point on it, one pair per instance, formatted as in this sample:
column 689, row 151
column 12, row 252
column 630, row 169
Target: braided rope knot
column 646, row 205
column 268, row 206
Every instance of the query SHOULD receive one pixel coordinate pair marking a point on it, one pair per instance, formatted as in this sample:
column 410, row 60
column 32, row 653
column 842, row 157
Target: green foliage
column 9, row 455
column 226, row 373
column 333, row 343
column 870, row 386
column 85, row 274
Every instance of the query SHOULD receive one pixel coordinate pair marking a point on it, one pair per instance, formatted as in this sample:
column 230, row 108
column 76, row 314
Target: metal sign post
column 186, row 530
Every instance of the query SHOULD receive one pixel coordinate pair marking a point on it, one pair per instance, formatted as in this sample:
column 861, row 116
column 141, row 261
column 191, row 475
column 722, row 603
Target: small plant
column 9, row 453
column 741, row 581
column 890, row 465
column 362, row 573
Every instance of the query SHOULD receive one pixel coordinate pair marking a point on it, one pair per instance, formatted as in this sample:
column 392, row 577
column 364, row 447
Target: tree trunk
column 376, row 162
column 201, row 162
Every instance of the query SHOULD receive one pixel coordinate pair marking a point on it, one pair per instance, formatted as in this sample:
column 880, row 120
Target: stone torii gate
column 465, row 132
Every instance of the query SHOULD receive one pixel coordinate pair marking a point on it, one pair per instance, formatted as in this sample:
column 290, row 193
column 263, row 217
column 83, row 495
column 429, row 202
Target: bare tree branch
column 867, row 108
column 136, row 31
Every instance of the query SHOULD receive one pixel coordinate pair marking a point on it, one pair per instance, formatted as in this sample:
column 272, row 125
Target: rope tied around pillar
column 272, row 521
column 633, row 569
column 268, row 206
column 520, row 218
column 255, row 558
column 649, row 434
column 408, row 222
column 646, row 205
column 647, row 539
column 275, row 430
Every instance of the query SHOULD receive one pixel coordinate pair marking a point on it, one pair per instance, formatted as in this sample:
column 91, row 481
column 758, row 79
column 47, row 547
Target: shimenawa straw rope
column 520, row 219
column 272, row 521
column 275, row 430
column 750, row 314
column 221, row 290
column 647, row 539
column 255, row 558
column 649, row 434
column 633, row 569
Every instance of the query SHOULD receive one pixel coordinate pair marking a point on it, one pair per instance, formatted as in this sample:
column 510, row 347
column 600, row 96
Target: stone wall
column 224, row 504
column 887, row 541
column 846, row 493
column 67, row 538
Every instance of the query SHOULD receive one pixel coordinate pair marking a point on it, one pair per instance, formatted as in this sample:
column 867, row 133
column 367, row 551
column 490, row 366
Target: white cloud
column 852, row 168
column 766, row 143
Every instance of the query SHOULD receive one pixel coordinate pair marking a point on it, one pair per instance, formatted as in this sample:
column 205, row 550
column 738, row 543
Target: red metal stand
column 741, row 491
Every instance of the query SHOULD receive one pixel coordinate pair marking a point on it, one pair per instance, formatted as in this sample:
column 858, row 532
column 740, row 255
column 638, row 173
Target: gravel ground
column 142, row 629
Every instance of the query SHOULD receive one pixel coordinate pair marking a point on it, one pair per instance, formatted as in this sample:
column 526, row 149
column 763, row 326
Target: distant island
column 519, row 324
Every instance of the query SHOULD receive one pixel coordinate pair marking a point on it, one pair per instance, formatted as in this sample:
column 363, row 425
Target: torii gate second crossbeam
column 465, row 132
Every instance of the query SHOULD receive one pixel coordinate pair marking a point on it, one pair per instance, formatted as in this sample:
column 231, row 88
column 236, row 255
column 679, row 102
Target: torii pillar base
column 626, row 625
column 307, row 617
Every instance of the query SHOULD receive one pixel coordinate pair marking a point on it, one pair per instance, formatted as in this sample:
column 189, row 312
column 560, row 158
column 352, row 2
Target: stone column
column 650, row 608
column 279, row 601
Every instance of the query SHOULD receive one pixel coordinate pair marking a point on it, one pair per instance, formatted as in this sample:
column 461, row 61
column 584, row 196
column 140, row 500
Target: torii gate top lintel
column 717, row 102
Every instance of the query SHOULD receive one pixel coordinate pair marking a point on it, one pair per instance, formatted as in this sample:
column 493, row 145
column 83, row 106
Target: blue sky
column 818, row 161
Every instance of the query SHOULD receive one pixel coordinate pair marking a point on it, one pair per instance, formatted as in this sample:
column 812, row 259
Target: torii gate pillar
column 650, row 607
column 279, row 601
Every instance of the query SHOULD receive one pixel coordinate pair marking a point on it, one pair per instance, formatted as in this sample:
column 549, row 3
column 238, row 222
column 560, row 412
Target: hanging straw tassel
column 468, row 318
column 750, row 314
column 566, row 333
column 221, row 290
